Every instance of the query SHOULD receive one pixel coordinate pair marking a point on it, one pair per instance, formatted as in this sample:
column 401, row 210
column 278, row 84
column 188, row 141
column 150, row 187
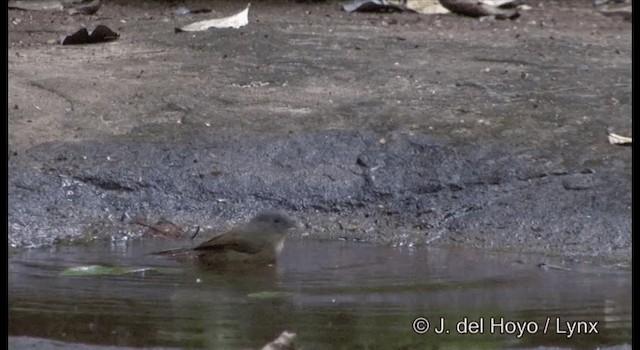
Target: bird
column 257, row 242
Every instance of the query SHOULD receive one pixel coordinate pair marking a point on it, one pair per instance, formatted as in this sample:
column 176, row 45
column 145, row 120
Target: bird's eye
column 277, row 220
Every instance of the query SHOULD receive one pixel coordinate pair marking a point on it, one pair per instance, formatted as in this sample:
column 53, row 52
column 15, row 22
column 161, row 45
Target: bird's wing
column 230, row 241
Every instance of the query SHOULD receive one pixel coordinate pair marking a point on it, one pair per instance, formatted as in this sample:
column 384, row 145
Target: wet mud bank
column 398, row 187
column 386, row 128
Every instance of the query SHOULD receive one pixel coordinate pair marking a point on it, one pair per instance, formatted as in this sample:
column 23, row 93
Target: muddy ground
column 392, row 128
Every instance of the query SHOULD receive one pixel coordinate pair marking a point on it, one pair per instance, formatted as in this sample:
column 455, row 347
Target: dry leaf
column 474, row 8
column 99, row 34
column 616, row 139
column 86, row 9
column 425, row 7
column 236, row 21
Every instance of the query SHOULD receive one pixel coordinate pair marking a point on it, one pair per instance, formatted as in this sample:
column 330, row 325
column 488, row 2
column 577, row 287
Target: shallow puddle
column 331, row 294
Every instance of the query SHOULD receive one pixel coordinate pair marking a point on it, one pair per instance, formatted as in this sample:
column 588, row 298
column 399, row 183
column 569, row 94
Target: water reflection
column 332, row 294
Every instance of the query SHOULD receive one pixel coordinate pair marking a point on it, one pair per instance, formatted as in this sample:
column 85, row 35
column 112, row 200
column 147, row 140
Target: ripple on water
column 332, row 294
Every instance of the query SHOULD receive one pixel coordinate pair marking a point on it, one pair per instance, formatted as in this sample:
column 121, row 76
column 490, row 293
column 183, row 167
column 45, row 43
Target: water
column 333, row 295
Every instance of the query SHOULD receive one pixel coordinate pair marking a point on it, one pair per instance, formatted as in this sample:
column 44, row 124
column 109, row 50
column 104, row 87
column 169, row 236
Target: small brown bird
column 257, row 242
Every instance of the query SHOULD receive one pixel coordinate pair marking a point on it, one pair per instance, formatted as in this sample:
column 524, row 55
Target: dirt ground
column 394, row 128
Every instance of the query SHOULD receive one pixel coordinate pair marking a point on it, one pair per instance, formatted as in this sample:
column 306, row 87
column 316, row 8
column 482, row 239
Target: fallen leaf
column 474, row 8
column 86, row 9
column 622, row 11
column 616, row 139
column 426, row 7
column 99, row 34
column 235, row 21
